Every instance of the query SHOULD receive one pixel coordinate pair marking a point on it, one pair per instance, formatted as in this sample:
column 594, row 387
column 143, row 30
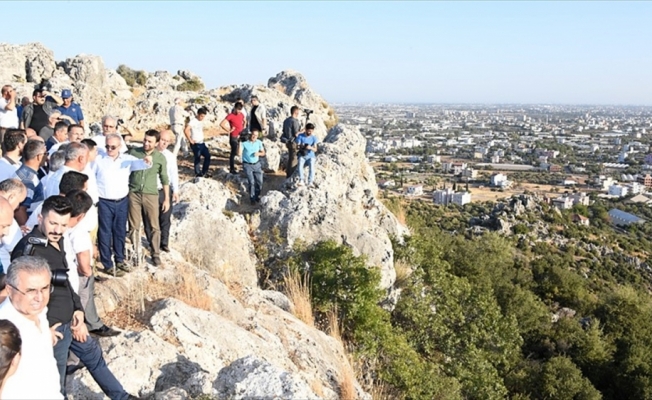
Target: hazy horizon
column 563, row 53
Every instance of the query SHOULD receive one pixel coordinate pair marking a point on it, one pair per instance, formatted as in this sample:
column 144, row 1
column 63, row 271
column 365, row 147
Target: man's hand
column 77, row 319
column 165, row 206
column 80, row 333
column 25, row 230
column 56, row 335
column 175, row 197
column 148, row 160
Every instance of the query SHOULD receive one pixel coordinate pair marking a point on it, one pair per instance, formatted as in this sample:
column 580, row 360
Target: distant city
column 463, row 153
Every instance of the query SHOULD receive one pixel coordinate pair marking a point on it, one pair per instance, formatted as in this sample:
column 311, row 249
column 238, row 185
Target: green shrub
column 131, row 76
column 191, row 85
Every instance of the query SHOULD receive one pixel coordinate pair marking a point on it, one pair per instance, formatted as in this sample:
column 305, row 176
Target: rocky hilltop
column 201, row 325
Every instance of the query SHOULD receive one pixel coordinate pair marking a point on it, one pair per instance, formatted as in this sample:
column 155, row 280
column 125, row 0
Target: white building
column 433, row 159
column 563, row 203
column 498, row 179
column 495, row 159
column 461, row 198
column 470, row 173
column 415, row 190
column 448, row 196
column 618, row 190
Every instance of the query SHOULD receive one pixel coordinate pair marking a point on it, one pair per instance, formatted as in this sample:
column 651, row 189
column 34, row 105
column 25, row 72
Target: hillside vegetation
column 493, row 316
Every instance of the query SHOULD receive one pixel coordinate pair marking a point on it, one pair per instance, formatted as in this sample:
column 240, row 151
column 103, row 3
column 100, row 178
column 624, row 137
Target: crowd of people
column 65, row 197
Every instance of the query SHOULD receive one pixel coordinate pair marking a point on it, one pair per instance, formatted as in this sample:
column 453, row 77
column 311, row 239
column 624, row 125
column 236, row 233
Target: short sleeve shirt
column 311, row 140
column 249, row 150
column 8, row 118
column 74, row 112
column 237, row 122
column 196, row 130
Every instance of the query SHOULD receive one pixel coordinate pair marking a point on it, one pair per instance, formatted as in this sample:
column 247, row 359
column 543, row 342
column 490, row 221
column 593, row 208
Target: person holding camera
column 65, row 312
column 234, row 123
column 37, row 114
column 291, row 129
column 250, row 151
column 194, row 132
column 307, row 146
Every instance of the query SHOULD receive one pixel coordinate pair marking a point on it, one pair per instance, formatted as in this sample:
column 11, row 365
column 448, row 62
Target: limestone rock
column 250, row 377
column 272, row 160
column 220, row 240
column 343, row 207
column 136, row 360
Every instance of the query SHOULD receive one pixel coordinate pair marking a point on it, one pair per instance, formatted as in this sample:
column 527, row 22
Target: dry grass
column 333, row 325
column 317, row 388
column 403, row 272
column 396, row 207
column 347, row 384
column 297, row 289
column 134, row 311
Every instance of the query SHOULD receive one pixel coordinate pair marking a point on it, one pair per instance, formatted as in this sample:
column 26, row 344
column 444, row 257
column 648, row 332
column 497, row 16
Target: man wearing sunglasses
column 37, row 114
column 112, row 169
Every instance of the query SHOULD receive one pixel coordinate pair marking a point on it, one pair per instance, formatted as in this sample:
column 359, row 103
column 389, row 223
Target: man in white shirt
column 194, row 132
column 109, row 126
column 29, row 288
column 164, row 217
column 80, row 252
column 177, row 121
column 14, row 192
column 112, row 172
column 8, row 112
column 12, row 150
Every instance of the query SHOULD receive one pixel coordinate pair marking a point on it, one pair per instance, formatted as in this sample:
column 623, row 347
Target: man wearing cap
column 70, row 108
column 37, row 114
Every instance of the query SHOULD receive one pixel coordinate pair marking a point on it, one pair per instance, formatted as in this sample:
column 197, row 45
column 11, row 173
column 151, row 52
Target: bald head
column 31, row 133
column 14, row 191
column 167, row 138
column 6, row 217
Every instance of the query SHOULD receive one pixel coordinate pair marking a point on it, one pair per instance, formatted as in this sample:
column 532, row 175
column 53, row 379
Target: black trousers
column 234, row 142
column 164, row 222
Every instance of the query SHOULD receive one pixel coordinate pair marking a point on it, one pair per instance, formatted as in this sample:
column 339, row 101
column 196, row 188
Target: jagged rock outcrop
column 342, row 207
column 102, row 91
column 215, row 237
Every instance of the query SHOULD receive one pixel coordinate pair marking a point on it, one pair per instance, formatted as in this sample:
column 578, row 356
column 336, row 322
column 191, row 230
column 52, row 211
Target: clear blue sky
column 440, row 52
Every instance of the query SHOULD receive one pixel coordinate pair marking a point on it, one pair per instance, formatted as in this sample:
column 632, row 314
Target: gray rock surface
column 343, row 207
column 214, row 237
column 250, row 377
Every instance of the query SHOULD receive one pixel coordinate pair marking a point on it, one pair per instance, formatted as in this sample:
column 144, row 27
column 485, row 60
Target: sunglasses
column 111, row 147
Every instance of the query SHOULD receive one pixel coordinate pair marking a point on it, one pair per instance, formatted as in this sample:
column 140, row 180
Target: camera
column 59, row 277
column 121, row 122
column 302, row 151
column 307, row 111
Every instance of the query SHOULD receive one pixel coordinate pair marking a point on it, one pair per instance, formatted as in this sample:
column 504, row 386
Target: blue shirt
column 19, row 112
column 35, row 194
column 310, row 141
column 249, row 150
column 74, row 112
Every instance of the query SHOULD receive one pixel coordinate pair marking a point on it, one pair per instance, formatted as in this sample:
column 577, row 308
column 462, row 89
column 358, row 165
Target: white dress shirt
column 8, row 242
column 173, row 171
column 113, row 174
column 37, row 376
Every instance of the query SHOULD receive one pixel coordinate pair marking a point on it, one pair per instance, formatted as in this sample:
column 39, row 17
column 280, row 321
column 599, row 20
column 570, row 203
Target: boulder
column 343, row 206
column 272, row 160
column 214, row 237
column 251, row 377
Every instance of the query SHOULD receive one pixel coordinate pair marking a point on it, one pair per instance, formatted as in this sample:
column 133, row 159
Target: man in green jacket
column 143, row 193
